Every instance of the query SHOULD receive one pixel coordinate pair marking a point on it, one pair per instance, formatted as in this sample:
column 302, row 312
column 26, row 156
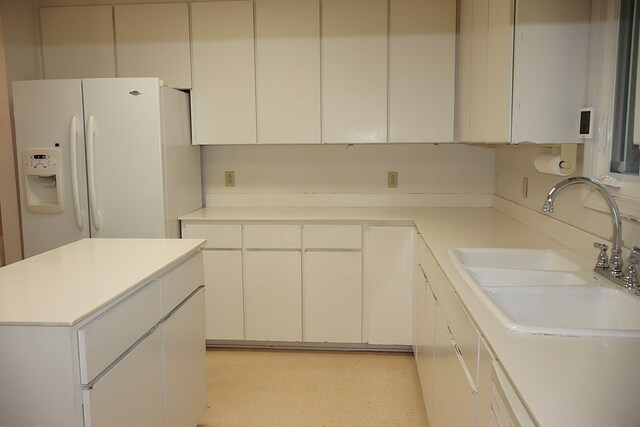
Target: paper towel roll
column 551, row 164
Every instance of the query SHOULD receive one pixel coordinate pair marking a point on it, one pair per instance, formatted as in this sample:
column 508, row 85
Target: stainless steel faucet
column 615, row 263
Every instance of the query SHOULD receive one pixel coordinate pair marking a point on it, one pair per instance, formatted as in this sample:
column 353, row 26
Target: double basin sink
column 549, row 292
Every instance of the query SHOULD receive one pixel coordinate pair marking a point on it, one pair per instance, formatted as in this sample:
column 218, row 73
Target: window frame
column 625, row 188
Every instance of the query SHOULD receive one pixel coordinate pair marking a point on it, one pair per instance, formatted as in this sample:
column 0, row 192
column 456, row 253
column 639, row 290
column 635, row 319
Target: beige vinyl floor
column 312, row 388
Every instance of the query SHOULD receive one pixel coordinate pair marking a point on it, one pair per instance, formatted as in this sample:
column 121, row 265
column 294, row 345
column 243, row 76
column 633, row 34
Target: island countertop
column 63, row 286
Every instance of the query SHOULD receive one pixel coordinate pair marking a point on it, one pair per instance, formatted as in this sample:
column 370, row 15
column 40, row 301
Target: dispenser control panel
column 41, row 162
column 43, row 180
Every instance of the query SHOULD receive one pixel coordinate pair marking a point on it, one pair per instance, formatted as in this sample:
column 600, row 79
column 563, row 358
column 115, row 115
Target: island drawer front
column 272, row 236
column 104, row 339
column 332, row 236
column 219, row 236
column 180, row 282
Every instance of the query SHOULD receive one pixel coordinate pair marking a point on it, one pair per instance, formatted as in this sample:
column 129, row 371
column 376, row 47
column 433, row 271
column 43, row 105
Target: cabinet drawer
column 180, row 282
column 219, row 236
column 104, row 339
column 423, row 253
column 458, row 321
column 465, row 333
column 272, row 237
column 332, row 236
column 454, row 394
column 131, row 393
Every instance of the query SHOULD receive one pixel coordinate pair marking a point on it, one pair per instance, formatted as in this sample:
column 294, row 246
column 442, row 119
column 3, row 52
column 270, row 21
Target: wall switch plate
column 392, row 179
column 229, row 179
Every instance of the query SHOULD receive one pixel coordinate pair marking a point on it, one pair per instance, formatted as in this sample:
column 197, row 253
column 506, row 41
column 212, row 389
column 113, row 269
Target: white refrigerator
column 103, row 158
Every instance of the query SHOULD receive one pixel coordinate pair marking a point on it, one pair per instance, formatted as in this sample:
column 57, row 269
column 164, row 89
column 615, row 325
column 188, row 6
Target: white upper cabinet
column 354, row 71
column 463, row 93
column 499, row 60
column 551, row 58
column 422, row 46
column 77, row 42
column 224, row 90
column 288, row 71
column 152, row 40
column 523, row 70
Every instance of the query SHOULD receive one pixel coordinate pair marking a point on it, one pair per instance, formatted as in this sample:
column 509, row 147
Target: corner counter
column 563, row 381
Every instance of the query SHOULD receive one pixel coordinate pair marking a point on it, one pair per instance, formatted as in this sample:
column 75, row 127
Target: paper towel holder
column 566, row 155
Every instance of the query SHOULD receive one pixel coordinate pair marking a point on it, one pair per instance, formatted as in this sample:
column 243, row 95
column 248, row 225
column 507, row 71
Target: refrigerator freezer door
column 44, row 111
column 126, row 156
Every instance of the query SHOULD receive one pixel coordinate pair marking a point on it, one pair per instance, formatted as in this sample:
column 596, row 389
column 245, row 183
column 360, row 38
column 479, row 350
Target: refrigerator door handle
column 73, row 140
column 91, row 175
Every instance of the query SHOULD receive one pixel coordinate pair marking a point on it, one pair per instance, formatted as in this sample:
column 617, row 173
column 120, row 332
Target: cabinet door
column 332, row 297
column 288, row 71
column 453, row 393
column 464, row 76
column 224, row 90
column 499, row 71
column 422, row 55
column 354, row 71
column 185, row 364
column 131, row 393
column 484, row 385
column 223, row 278
column 77, row 42
column 485, row 70
column 551, row 64
column 388, row 279
column 153, row 40
column 478, row 83
column 272, row 295
column 427, row 342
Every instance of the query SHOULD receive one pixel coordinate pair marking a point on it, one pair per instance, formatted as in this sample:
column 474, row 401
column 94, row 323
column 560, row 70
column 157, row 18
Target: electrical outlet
column 392, row 179
column 229, row 179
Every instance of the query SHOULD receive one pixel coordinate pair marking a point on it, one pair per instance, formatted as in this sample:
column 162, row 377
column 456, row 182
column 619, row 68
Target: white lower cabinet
column 160, row 380
column 307, row 282
column 272, row 295
column 332, row 296
column 485, row 360
column 225, row 300
column 454, row 363
column 454, row 391
column 388, row 279
column 426, row 342
column 185, row 363
column 131, row 393
column 136, row 357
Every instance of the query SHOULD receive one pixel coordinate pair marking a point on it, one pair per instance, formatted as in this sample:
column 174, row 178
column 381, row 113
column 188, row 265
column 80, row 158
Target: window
column 613, row 156
column 625, row 151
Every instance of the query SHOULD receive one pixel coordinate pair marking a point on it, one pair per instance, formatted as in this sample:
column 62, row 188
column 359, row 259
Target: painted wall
column 18, row 46
column 515, row 162
column 355, row 169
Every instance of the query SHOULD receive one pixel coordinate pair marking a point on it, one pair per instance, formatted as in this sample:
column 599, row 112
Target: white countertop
column 564, row 381
column 63, row 286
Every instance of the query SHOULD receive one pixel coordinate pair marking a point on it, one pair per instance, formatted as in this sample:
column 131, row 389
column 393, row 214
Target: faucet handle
column 631, row 278
column 603, row 259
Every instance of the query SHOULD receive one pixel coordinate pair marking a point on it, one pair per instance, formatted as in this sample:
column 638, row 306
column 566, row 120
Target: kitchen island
column 560, row 380
column 104, row 332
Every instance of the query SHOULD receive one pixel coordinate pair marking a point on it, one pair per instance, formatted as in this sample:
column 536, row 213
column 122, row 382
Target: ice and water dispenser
column 43, row 178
